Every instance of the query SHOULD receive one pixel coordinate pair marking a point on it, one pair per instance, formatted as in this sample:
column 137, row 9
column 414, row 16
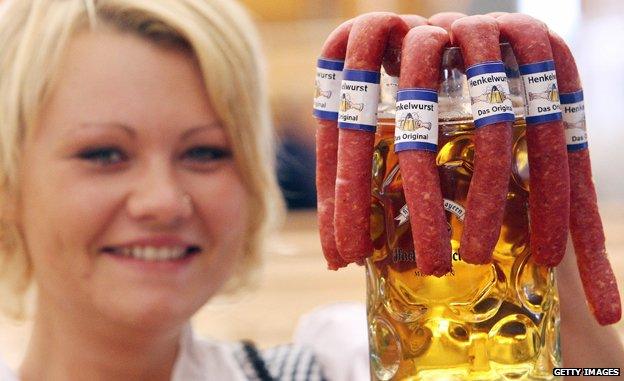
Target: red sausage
column 417, row 111
column 549, row 196
column 496, row 14
column 478, row 38
column 445, row 19
column 332, row 56
column 414, row 20
column 374, row 37
column 588, row 237
column 326, row 112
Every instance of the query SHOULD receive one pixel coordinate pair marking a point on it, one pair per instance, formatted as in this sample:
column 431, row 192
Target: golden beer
column 480, row 322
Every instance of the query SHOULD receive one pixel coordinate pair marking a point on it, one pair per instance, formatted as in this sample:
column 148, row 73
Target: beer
column 498, row 321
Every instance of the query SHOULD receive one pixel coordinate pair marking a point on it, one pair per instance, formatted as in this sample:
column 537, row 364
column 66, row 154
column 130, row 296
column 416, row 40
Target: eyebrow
column 129, row 130
column 210, row 126
column 132, row 132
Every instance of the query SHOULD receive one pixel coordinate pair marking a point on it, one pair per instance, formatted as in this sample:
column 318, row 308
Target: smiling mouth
column 152, row 253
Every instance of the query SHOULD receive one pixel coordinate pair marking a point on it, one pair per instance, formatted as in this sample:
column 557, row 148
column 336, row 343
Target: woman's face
column 131, row 206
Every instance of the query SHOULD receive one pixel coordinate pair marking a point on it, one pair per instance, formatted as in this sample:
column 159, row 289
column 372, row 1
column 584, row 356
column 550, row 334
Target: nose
column 158, row 199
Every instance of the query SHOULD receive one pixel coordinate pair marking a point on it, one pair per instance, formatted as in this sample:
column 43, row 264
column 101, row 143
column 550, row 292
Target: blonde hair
column 220, row 35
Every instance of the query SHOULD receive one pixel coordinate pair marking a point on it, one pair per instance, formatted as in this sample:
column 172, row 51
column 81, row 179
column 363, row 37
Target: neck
column 67, row 345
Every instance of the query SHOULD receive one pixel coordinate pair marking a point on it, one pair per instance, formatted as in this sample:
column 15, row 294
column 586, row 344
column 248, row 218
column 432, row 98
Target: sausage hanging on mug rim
column 478, row 38
column 597, row 277
column 549, row 180
column 445, row 19
column 413, row 20
column 329, row 78
column 375, row 38
column 417, row 110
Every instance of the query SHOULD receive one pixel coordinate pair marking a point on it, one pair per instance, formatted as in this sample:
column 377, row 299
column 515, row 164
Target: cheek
column 61, row 214
column 224, row 209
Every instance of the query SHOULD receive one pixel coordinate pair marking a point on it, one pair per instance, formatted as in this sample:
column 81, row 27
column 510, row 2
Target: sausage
column 599, row 283
column 478, row 38
column 414, row 20
column 329, row 79
column 445, row 19
column 497, row 14
column 549, row 181
column 374, row 37
column 417, row 112
column 330, row 67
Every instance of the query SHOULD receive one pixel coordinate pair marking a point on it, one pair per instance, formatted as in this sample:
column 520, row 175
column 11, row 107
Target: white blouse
column 330, row 344
column 6, row 373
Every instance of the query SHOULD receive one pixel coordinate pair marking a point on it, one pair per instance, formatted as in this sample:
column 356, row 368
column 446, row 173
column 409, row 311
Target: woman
column 137, row 181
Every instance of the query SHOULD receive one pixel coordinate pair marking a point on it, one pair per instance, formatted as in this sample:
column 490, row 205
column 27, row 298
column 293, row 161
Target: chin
column 151, row 309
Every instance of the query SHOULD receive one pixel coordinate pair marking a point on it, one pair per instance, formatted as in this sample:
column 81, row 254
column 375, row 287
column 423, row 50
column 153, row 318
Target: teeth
column 151, row 253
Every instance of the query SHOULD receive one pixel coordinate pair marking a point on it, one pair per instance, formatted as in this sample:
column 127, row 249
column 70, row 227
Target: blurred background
column 294, row 279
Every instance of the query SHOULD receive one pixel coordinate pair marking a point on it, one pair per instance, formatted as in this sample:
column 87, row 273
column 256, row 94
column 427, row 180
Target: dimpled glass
column 481, row 322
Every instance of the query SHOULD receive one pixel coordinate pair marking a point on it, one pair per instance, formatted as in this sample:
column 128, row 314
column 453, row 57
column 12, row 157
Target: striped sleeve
column 286, row 363
column 293, row 363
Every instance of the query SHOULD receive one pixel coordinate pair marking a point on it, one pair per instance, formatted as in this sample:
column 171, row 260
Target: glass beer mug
column 498, row 321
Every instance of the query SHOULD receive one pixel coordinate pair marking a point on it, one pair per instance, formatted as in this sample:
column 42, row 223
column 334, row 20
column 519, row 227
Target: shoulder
column 338, row 335
column 200, row 357
column 225, row 360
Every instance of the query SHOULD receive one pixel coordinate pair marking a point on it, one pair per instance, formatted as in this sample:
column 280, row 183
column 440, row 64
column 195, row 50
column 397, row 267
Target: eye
column 203, row 154
column 103, row 156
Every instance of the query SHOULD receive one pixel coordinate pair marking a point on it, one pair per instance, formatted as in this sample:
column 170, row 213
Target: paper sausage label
column 489, row 94
column 359, row 98
column 574, row 120
column 327, row 88
column 416, row 120
column 449, row 205
column 541, row 95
